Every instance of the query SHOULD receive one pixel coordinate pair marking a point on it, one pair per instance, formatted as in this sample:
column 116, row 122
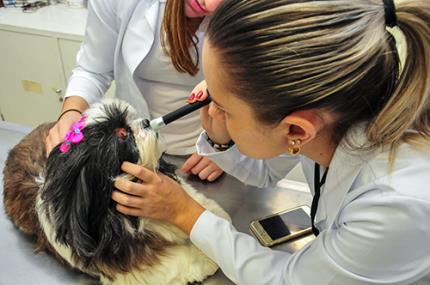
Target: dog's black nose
column 145, row 123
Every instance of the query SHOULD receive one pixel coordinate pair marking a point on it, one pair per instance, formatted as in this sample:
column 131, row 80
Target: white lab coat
column 374, row 225
column 107, row 23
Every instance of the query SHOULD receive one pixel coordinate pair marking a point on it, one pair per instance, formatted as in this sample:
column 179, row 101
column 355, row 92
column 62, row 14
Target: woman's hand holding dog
column 66, row 120
column 157, row 197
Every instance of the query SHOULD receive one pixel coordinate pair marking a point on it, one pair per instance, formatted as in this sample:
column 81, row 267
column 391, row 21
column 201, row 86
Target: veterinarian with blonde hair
column 318, row 82
column 151, row 49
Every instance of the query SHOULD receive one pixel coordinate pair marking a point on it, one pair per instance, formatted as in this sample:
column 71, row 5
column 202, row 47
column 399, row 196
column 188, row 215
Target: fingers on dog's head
column 128, row 187
column 138, row 171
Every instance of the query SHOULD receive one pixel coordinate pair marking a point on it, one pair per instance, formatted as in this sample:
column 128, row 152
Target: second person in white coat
column 151, row 49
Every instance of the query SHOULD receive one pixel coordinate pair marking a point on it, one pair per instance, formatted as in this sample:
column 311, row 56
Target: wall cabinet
column 37, row 55
column 34, row 72
column 32, row 79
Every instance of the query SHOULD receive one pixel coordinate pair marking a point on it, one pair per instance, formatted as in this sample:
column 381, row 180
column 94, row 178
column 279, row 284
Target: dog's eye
column 121, row 133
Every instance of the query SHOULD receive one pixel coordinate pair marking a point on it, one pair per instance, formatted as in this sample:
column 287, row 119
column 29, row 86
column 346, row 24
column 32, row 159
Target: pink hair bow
column 74, row 136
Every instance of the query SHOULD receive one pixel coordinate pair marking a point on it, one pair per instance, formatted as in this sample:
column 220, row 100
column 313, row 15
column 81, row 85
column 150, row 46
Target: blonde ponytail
column 406, row 115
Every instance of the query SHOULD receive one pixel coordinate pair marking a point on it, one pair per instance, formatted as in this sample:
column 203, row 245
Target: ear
column 78, row 230
column 66, row 194
column 77, row 193
column 303, row 125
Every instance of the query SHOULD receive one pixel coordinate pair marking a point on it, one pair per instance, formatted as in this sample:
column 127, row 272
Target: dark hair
column 178, row 38
column 289, row 55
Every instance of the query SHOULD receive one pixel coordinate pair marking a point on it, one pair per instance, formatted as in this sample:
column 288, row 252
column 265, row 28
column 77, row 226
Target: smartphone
column 282, row 226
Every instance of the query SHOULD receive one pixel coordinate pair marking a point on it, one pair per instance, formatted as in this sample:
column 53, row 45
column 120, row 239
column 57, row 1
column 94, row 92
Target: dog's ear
column 77, row 193
column 67, row 198
column 77, row 230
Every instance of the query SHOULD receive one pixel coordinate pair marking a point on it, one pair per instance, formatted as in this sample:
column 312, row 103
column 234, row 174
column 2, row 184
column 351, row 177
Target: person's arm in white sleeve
column 375, row 242
column 256, row 172
column 95, row 60
column 242, row 259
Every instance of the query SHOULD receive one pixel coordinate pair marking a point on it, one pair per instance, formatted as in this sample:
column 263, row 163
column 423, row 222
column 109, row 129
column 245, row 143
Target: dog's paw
column 201, row 266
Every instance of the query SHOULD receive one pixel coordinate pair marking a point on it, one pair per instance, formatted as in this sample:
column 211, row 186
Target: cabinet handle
column 59, row 93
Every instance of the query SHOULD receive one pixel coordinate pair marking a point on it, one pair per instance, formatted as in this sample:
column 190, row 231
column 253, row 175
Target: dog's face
column 76, row 195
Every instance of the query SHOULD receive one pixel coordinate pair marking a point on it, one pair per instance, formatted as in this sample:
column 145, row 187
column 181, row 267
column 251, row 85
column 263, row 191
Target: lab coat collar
column 344, row 169
column 139, row 37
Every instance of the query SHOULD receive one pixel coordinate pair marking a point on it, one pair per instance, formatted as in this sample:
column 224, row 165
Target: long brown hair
column 178, row 38
column 289, row 55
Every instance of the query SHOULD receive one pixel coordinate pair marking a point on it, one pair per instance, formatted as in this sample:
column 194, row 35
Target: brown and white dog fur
column 64, row 202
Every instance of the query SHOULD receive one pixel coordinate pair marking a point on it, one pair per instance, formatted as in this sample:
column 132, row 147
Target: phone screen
column 287, row 223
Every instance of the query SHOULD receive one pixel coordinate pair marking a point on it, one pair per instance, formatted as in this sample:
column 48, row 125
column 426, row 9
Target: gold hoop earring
column 294, row 147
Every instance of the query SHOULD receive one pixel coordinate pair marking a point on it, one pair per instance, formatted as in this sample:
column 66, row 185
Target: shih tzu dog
column 64, row 201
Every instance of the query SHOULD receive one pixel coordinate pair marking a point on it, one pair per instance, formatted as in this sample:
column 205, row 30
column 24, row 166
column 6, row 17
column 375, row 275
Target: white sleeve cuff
column 226, row 159
column 85, row 88
column 242, row 259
